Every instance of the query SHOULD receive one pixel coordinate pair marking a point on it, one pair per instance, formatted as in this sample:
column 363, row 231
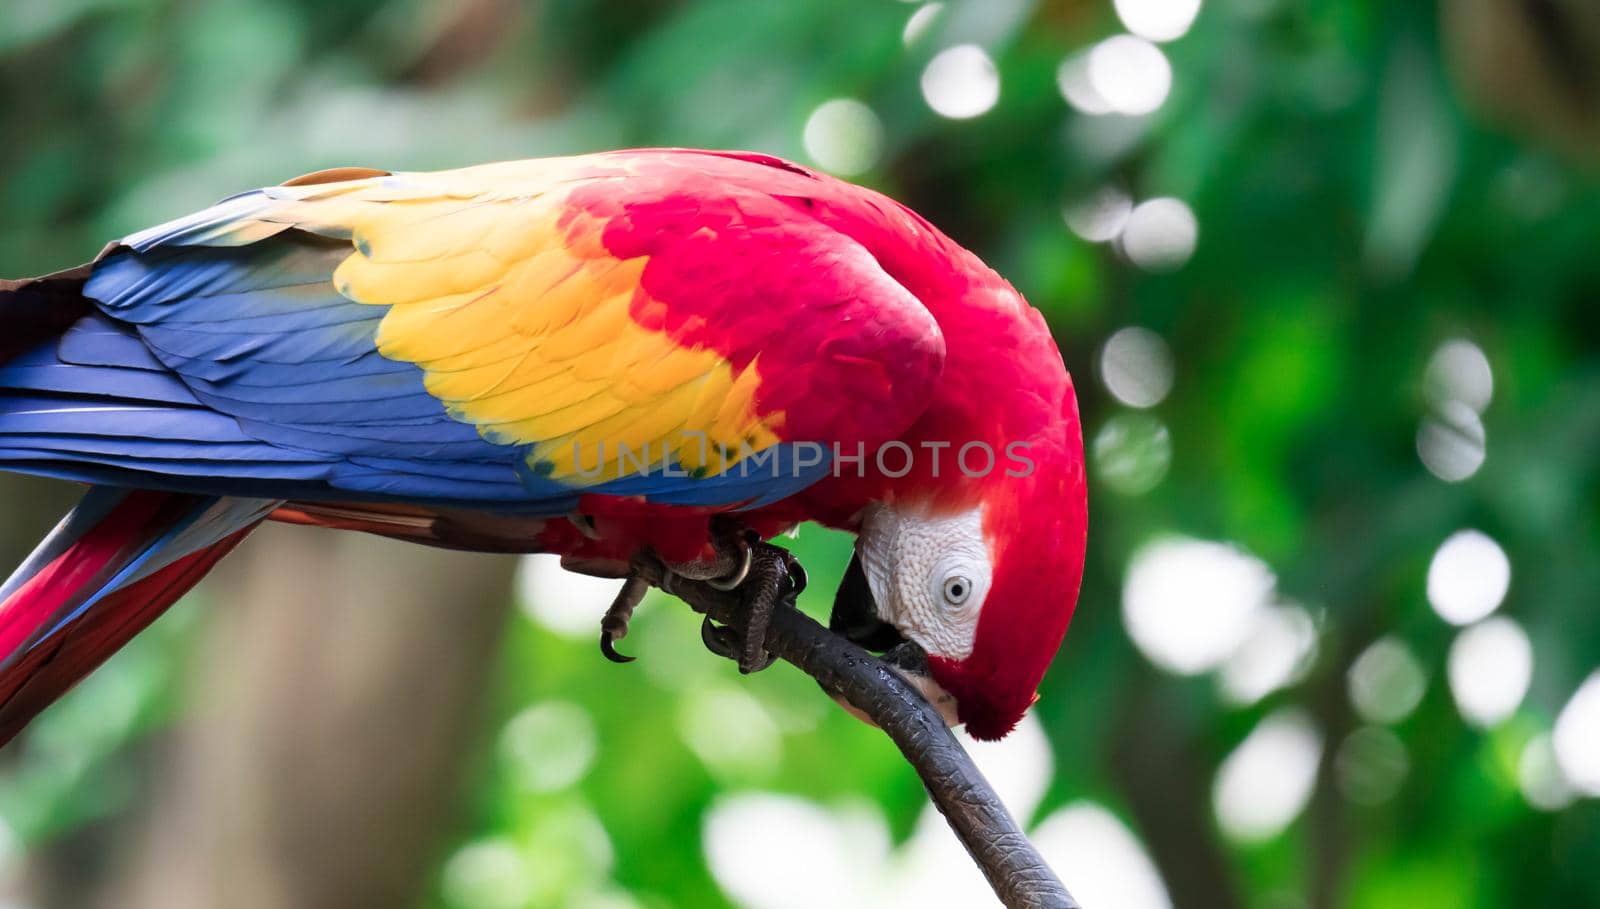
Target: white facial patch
column 928, row 574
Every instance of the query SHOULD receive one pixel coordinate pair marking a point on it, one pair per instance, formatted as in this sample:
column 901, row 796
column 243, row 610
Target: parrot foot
column 772, row 577
column 763, row 575
column 614, row 624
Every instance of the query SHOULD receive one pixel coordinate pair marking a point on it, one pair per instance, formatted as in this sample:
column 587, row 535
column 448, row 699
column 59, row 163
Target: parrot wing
column 515, row 336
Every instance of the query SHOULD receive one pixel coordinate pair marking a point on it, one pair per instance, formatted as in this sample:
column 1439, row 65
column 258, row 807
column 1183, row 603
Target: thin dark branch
column 990, row 834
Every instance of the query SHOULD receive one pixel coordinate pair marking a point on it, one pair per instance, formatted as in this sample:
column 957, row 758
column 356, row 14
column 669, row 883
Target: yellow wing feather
column 521, row 322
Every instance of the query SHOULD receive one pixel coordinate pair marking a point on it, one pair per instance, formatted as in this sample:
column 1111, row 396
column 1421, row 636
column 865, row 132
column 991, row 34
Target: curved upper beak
column 855, row 617
column 855, row 613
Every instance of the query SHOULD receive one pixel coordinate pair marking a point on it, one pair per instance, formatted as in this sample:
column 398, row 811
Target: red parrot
column 661, row 353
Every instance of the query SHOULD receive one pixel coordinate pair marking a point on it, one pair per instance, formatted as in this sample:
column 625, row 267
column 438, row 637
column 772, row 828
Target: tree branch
column 1003, row 852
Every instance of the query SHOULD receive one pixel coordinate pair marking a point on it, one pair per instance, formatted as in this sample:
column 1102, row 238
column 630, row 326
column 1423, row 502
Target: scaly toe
column 614, row 624
column 748, row 665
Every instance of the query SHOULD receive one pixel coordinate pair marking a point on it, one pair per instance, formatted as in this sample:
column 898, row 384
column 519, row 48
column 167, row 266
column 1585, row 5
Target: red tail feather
column 46, row 672
column 95, row 583
column 86, row 566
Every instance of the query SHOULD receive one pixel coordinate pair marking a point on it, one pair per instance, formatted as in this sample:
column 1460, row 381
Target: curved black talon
column 608, row 647
column 719, row 639
column 768, row 578
column 725, row 641
column 614, row 624
column 796, row 573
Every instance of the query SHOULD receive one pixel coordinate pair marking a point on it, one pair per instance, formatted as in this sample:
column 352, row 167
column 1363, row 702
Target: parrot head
column 970, row 596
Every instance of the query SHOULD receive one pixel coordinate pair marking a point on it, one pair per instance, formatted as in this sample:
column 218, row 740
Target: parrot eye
column 957, row 589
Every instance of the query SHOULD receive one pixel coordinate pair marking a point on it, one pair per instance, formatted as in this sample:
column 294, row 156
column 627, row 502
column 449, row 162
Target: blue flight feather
column 225, row 362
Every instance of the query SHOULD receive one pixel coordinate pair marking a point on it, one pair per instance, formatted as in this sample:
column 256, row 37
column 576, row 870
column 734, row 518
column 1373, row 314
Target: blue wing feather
column 227, row 363
column 96, row 340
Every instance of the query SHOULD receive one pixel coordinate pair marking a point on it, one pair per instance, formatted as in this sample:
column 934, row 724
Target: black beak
column 855, row 614
column 855, row 617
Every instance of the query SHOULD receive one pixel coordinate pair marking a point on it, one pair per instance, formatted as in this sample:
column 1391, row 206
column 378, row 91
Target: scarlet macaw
column 599, row 356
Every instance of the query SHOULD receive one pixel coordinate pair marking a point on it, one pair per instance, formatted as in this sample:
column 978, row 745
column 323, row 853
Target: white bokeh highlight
column 1468, row 577
column 1452, row 442
column 1576, row 738
column 1132, row 453
column 1490, row 667
column 565, row 602
column 1386, row 682
column 961, row 82
column 1540, row 778
column 1158, row 20
column 488, row 874
column 780, row 852
column 1130, row 75
column 731, row 732
column 1459, row 371
column 920, row 22
column 1371, row 765
column 1099, row 217
column 1188, row 604
column 1072, row 79
column 1107, row 865
column 549, row 746
column 1276, row 653
column 1264, row 784
column 844, row 136
column 1160, row 234
column 1136, row 366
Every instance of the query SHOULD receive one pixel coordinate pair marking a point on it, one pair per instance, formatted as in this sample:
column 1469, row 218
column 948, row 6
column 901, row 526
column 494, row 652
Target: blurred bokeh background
column 1326, row 272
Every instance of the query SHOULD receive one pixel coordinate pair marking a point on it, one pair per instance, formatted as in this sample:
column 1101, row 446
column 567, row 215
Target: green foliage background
column 1353, row 215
